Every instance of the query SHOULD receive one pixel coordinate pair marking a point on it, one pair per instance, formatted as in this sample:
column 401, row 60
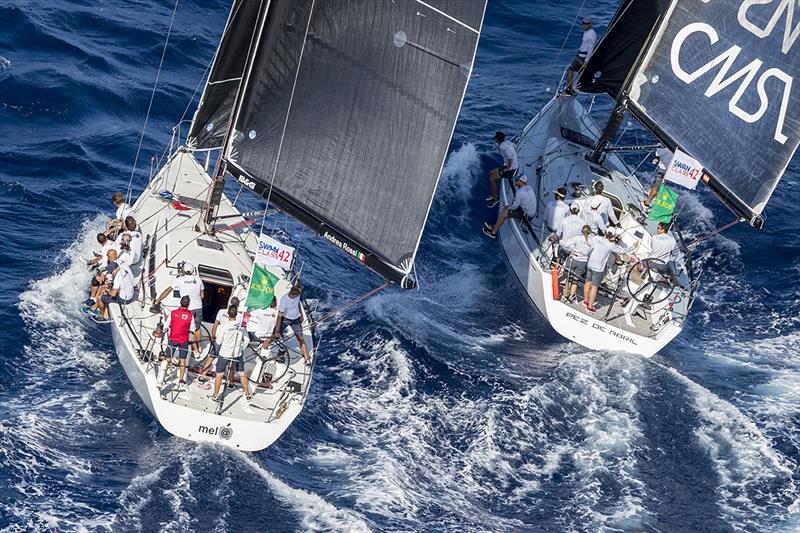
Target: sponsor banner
column 274, row 253
column 262, row 288
column 663, row 205
column 684, row 170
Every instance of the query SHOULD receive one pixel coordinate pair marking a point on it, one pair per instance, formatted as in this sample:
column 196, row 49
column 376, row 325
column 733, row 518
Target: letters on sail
column 726, row 60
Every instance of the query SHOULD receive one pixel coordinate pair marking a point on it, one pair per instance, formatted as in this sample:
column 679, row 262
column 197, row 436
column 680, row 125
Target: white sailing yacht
column 712, row 85
column 340, row 115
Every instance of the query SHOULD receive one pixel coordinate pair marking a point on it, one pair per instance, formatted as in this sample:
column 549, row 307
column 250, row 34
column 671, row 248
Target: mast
column 220, row 168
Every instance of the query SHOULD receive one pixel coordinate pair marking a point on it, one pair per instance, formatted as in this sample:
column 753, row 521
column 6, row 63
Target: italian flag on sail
column 262, row 288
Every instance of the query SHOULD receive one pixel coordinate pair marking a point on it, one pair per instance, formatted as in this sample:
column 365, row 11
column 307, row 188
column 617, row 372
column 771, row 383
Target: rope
column 351, row 303
column 715, row 232
column 152, row 97
column 566, row 38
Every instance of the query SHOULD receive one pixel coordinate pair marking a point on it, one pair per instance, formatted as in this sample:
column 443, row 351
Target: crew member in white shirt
column 289, row 315
column 524, row 204
column 594, row 219
column 556, row 210
column 188, row 284
column 135, row 238
column 123, row 211
column 508, row 169
column 571, row 227
column 664, row 250
column 232, row 341
column 221, row 319
column 662, row 161
column 580, row 248
column 122, row 292
column 584, row 52
column 602, row 248
column 606, row 209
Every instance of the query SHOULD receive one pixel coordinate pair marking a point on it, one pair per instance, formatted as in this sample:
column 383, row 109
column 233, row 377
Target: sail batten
column 347, row 115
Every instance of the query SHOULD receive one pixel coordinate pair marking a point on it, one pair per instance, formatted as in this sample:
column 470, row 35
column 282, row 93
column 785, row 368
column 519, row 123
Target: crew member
column 662, row 161
column 580, row 248
column 188, row 284
column 135, row 238
column 602, row 248
column 571, row 227
column 122, row 291
column 232, row 341
column 584, row 52
column 593, row 218
column 115, row 225
column 556, row 210
column 524, row 204
column 506, row 170
column 606, row 210
column 221, row 319
column 181, row 324
column 664, row 250
column 289, row 315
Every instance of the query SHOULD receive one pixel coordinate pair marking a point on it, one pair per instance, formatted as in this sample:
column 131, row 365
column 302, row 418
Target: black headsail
column 212, row 118
column 718, row 81
column 347, row 114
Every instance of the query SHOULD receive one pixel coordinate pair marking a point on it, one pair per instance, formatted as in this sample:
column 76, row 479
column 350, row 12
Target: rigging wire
column 152, row 97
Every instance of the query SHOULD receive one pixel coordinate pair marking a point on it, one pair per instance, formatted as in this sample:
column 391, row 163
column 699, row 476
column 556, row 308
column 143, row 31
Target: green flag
column 262, row 288
column 663, row 205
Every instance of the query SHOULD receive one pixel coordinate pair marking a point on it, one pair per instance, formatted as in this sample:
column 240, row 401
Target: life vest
column 180, row 321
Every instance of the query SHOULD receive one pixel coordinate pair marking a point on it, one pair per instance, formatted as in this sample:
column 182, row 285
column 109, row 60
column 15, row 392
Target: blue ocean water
column 454, row 407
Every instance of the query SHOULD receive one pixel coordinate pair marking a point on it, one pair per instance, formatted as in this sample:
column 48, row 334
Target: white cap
column 521, row 177
column 188, row 268
column 587, row 20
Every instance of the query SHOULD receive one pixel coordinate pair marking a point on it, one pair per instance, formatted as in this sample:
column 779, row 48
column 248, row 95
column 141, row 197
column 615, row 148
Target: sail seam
column 448, row 16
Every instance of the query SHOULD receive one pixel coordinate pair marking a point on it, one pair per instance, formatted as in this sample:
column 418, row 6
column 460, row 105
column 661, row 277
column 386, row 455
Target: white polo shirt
column 190, row 286
column 290, row 307
column 262, row 322
column 231, row 340
column 136, row 245
column 556, row 213
column 606, row 210
column 572, row 226
column 124, row 282
column 587, row 42
column 663, row 247
column 109, row 245
column 123, row 211
column 508, row 151
column 526, row 199
column 601, row 249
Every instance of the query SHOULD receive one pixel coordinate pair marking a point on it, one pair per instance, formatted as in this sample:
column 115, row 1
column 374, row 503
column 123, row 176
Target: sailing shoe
column 493, row 202
column 590, row 309
column 215, row 398
column 89, row 302
column 489, row 198
column 488, row 233
column 570, row 299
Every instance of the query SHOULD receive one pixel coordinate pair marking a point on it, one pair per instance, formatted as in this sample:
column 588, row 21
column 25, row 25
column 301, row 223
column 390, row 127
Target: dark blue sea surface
column 454, row 407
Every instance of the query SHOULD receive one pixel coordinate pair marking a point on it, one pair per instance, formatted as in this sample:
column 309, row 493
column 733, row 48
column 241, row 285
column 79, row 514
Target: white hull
column 630, row 328
column 188, row 412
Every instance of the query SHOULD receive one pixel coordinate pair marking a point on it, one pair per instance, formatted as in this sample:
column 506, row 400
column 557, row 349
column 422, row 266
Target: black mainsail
column 346, row 114
column 717, row 80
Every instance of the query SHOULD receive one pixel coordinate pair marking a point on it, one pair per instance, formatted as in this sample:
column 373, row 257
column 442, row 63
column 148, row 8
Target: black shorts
column 97, row 281
column 577, row 63
column 517, row 213
column 506, row 173
column 222, row 364
column 181, row 349
column 577, row 271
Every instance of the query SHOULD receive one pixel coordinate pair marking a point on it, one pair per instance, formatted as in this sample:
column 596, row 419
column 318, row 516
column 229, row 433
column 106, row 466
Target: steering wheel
column 653, row 281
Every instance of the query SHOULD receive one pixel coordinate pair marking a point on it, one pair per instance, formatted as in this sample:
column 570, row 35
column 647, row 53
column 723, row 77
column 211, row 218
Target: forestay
column 345, row 119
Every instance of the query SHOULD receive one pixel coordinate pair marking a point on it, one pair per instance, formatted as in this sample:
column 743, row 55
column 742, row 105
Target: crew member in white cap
column 593, row 217
column 584, row 52
column 188, row 284
column 524, row 204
